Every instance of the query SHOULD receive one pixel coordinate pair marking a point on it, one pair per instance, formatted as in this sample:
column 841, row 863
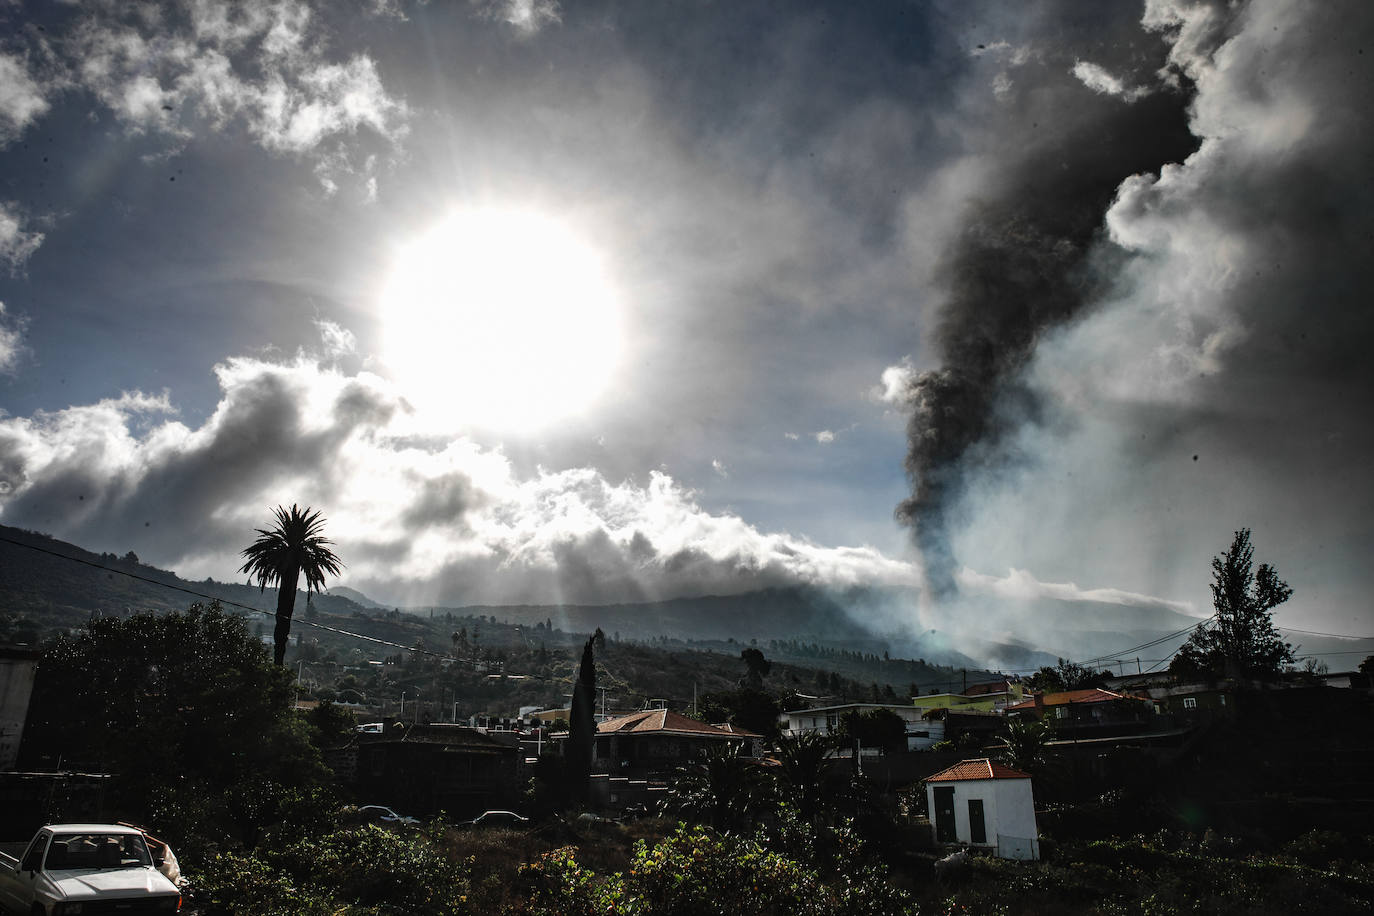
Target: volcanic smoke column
column 1031, row 256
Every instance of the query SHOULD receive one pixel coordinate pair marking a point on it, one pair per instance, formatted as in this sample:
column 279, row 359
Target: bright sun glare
column 503, row 319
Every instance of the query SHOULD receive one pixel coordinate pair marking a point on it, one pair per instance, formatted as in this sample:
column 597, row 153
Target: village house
column 1092, row 712
column 825, row 720
column 991, row 696
column 985, row 804
column 424, row 769
column 658, row 741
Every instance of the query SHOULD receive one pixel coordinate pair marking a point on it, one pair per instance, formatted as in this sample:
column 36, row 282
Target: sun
column 503, row 319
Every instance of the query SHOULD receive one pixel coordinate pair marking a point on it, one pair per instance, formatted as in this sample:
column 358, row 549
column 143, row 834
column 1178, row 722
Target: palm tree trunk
column 286, row 606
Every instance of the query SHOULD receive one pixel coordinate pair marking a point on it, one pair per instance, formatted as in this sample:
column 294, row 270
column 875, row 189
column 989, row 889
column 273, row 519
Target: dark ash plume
column 1020, row 267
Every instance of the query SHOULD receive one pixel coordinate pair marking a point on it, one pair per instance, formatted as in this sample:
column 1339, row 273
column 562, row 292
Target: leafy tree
column 1065, row 675
column 1242, row 640
column 757, row 668
column 749, row 709
column 875, row 728
column 295, row 545
column 186, row 708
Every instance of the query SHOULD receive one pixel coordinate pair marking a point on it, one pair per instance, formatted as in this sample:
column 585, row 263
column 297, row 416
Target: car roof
column 92, row 828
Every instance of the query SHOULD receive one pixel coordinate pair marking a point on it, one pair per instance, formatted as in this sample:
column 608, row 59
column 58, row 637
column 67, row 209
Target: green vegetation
column 1063, row 676
column 188, row 710
column 660, row 868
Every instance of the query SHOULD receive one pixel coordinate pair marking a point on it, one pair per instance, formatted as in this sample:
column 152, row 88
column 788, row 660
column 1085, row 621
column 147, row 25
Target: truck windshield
column 96, row 850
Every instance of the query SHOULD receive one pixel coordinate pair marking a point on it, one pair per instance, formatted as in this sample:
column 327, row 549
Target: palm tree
column 293, row 546
column 722, row 788
column 802, row 771
column 1027, row 744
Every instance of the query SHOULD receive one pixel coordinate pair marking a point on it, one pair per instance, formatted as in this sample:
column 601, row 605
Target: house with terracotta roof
column 986, row 804
column 658, row 741
column 1089, row 712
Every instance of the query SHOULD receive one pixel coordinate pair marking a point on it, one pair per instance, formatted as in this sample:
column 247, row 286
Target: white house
column 984, row 803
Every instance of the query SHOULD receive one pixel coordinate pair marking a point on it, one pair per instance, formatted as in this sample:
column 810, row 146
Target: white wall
column 16, row 684
column 934, row 733
column 824, row 719
column 1008, row 814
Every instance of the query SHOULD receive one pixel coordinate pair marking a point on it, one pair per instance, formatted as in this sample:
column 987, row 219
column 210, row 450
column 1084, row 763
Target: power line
column 1152, row 643
column 1315, row 633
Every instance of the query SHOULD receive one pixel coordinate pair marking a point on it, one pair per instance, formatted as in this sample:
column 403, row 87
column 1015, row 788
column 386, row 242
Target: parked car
column 380, row 814
column 495, row 819
column 85, row 868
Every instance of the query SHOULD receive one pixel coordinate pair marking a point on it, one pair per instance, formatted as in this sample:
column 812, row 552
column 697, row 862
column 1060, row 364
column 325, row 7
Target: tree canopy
column 1065, row 675
column 1242, row 640
column 756, row 668
column 183, row 705
column 874, row 728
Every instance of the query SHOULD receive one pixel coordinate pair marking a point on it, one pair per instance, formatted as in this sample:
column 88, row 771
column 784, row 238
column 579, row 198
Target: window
column 1061, row 712
column 1190, row 702
column 1222, row 699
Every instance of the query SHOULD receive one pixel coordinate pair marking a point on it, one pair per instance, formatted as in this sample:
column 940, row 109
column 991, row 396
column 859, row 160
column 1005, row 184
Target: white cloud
column 894, row 383
column 16, row 243
column 1020, row 585
column 337, row 340
column 11, row 340
column 22, row 99
column 262, row 65
column 1099, row 79
column 792, row 436
column 525, row 16
column 430, row 519
column 719, row 467
column 825, row 436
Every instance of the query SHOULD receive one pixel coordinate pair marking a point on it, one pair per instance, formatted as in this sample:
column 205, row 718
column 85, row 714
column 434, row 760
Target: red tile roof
column 661, row 720
column 981, row 768
column 736, row 730
column 1091, row 695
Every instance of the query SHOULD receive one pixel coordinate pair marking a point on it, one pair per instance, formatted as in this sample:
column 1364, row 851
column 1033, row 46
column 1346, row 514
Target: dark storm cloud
column 1021, row 265
column 169, row 498
column 441, row 501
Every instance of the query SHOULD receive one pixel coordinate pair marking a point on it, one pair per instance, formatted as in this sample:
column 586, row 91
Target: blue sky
column 601, row 301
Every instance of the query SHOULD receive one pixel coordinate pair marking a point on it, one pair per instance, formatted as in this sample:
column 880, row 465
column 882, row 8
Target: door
column 978, row 832
column 944, row 815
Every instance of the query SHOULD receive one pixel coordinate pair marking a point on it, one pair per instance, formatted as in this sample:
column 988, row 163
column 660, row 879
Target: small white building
column 986, row 804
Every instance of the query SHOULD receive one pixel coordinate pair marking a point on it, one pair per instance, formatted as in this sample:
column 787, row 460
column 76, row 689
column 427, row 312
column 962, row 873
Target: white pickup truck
column 85, row 869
